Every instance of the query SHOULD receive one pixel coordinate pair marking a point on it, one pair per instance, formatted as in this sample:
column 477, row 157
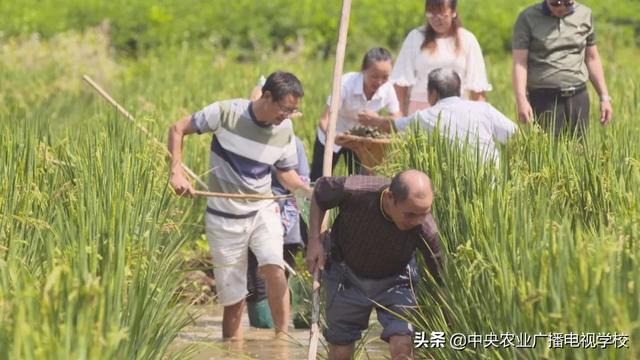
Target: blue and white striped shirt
column 242, row 153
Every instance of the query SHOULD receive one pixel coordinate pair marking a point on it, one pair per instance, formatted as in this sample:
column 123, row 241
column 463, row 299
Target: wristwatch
column 605, row 98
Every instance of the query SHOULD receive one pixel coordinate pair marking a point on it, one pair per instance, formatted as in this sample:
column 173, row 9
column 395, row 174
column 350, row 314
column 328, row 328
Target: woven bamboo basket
column 370, row 151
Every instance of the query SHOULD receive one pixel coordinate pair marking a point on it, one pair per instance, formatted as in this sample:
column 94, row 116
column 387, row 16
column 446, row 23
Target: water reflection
column 206, row 336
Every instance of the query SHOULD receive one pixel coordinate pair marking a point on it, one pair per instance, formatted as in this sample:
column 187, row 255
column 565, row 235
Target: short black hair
column 445, row 82
column 281, row 84
column 375, row 55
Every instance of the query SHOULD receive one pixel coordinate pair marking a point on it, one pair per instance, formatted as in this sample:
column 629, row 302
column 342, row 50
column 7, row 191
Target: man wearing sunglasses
column 554, row 54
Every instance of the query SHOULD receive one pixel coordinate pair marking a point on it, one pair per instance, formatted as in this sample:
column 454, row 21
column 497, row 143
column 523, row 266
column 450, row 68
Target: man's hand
column 303, row 192
column 525, row 112
column 369, row 118
column 606, row 111
column 181, row 185
column 177, row 131
column 315, row 255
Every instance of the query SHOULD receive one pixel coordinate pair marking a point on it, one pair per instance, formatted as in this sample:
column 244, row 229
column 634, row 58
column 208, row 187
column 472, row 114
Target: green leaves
column 544, row 243
column 305, row 26
column 85, row 253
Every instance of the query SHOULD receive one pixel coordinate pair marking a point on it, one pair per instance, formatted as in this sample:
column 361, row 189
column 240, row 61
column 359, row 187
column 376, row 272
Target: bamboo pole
column 336, row 89
column 242, row 196
column 314, row 333
column 129, row 117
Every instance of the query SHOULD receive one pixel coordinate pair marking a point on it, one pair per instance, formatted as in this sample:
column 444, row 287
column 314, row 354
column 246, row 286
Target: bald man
column 373, row 240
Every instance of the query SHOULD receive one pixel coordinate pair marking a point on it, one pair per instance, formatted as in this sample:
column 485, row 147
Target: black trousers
column 561, row 114
column 353, row 163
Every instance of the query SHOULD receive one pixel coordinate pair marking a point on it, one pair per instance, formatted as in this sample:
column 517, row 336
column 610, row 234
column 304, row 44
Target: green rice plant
column 545, row 243
column 89, row 234
column 89, row 246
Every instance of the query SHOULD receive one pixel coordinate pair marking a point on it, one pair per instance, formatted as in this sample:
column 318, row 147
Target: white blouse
column 413, row 64
column 355, row 101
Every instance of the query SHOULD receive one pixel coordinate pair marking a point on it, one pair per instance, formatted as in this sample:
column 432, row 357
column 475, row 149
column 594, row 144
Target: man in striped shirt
column 250, row 138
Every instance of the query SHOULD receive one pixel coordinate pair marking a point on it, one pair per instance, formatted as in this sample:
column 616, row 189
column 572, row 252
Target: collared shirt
column 465, row 121
column 556, row 45
column 242, row 153
column 547, row 11
column 372, row 246
column 414, row 64
column 353, row 101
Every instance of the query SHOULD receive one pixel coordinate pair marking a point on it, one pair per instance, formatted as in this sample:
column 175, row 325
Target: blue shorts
column 349, row 300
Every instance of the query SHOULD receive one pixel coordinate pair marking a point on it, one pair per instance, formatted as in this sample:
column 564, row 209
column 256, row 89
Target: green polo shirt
column 556, row 45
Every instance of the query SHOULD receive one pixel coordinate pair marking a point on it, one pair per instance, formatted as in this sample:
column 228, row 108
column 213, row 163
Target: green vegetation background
column 253, row 27
column 165, row 59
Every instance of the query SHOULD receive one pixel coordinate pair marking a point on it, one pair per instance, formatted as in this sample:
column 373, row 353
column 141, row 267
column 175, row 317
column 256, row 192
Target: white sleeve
column 403, row 123
column 343, row 90
column 502, row 127
column 392, row 105
column 475, row 77
column 404, row 70
column 207, row 119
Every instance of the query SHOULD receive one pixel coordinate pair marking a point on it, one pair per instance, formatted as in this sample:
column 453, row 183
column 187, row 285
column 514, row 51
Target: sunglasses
column 558, row 3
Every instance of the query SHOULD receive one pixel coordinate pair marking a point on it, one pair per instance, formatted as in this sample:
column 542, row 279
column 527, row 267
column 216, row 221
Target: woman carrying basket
column 364, row 94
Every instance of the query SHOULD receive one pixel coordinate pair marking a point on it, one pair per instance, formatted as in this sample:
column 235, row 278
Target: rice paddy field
column 94, row 244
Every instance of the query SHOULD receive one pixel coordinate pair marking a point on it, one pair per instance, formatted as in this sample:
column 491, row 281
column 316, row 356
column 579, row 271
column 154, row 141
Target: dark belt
column 561, row 92
column 230, row 216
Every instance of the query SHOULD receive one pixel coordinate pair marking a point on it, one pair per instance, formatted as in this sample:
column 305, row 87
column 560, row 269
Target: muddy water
column 206, row 337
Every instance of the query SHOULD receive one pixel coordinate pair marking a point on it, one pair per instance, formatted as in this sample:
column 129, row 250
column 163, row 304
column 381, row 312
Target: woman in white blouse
column 364, row 94
column 441, row 43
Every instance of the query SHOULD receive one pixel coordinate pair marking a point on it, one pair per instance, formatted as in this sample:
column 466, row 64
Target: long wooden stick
column 242, row 196
column 327, row 165
column 129, row 117
column 334, row 106
column 314, row 333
